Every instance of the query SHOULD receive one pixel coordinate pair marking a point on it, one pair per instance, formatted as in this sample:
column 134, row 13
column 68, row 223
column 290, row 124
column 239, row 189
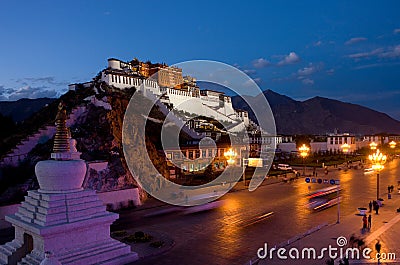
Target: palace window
column 203, row 153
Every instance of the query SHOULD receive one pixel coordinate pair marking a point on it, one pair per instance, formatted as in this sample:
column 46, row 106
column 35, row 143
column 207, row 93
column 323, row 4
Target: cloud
column 2, row 91
column 291, row 58
column 330, row 71
column 30, row 92
column 246, row 71
column 307, row 81
column 36, row 80
column 318, row 43
column 392, row 52
column 396, row 31
column 376, row 65
column 311, row 69
column 387, row 53
column 366, row 54
column 258, row 80
column 355, row 40
column 260, row 63
column 249, row 71
column 253, row 82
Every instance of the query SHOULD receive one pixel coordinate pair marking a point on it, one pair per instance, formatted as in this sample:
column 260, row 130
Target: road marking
column 251, row 221
column 258, row 219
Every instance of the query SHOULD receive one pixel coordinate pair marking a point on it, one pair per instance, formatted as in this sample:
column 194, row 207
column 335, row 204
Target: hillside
column 320, row 115
column 23, row 108
column 99, row 137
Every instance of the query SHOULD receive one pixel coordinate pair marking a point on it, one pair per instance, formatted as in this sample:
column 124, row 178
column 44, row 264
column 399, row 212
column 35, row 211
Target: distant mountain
column 23, row 108
column 317, row 115
column 320, row 115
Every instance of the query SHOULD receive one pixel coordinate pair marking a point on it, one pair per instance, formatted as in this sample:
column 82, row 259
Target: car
column 368, row 170
column 284, row 167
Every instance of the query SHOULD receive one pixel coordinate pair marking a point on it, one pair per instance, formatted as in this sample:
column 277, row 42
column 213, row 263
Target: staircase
column 31, row 259
column 19, row 153
column 11, row 252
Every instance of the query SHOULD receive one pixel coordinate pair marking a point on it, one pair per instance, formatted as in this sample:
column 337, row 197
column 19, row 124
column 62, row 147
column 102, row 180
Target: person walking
column 378, row 250
column 364, row 220
column 330, row 261
column 370, row 206
column 377, row 209
column 369, row 221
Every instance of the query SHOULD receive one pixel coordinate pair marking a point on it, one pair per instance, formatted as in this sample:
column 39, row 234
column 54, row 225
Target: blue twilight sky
column 346, row 50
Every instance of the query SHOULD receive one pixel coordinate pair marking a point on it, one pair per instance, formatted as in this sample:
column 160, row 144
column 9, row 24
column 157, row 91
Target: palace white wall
column 114, row 64
column 209, row 106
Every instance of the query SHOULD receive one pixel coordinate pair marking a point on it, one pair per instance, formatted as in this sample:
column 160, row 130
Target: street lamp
column 345, row 148
column 373, row 146
column 304, row 153
column 230, row 156
column 392, row 145
column 377, row 159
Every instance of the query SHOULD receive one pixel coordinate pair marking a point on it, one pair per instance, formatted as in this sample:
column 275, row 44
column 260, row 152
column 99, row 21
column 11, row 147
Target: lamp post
column 377, row 159
column 304, row 153
column 392, row 145
column 230, row 156
column 345, row 148
column 373, row 146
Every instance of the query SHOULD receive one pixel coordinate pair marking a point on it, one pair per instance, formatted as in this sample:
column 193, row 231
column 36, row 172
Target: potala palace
column 174, row 90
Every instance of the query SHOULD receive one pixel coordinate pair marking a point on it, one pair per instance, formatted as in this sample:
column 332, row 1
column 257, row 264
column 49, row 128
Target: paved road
column 231, row 233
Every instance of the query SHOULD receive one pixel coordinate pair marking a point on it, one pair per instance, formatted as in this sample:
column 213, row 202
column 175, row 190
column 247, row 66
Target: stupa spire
column 61, row 139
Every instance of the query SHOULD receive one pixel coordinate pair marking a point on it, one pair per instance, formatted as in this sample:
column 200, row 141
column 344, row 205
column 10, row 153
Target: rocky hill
column 320, row 115
column 98, row 132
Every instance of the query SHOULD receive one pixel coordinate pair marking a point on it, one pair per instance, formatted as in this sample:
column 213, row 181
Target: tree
column 209, row 173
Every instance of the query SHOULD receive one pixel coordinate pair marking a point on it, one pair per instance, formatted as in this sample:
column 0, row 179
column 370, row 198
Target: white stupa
column 61, row 217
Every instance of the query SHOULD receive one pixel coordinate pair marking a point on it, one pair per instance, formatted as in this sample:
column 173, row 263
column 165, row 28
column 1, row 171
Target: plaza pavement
column 385, row 228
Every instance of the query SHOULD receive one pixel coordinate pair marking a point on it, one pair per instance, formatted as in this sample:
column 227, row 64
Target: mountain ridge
column 21, row 109
column 320, row 115
column 316, row 115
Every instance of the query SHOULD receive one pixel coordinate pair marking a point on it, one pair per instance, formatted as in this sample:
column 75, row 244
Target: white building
column 335, row 142
column 189, row 99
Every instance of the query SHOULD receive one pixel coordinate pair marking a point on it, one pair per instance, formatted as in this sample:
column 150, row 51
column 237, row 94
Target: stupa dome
column 67, row 172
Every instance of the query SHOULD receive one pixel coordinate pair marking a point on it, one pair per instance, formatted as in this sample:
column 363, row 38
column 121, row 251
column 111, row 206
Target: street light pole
column 392, row 145
column 377, row 159
column 304, row 153
column 230, row 156
column 377, row 186
column 345, row 148
column 373, row 145
column 338, row 205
